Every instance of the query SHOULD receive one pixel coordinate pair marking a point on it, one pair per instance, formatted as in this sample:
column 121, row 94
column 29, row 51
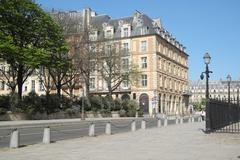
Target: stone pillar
column 189, row 119
column 108, row 130
column 92, row 130
column 165, row 122
column 133, row 126
column 181, row 120
column 176, row 120
column 159, row 123
column 46, row 135
column 14, row 140
column 143, row 124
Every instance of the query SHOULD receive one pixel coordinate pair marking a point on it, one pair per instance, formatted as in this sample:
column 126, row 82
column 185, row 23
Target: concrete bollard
column 176, row 121
column 92, row 130
column 189, row 119
column 181, row 120
column 199, row 119
column 143, row 124
column 193, row 119
column 46, row 135
column 108, row 130
column 165, row 122
column 133, row 126
column 14, row 140
column 159, row 123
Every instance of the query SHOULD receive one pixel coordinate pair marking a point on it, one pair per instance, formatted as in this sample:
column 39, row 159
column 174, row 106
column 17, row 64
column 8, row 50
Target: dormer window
column 144, row 30
column 108, row 34
column 93, row 36
column 125, row 32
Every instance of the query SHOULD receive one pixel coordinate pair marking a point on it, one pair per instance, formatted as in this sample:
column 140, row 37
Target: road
column 33, row 135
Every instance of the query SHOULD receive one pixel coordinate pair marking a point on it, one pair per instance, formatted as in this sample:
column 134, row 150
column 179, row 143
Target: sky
column 202, row 26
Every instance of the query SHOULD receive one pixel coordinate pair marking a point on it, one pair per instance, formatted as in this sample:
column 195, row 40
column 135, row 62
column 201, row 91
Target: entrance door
column 144, row 102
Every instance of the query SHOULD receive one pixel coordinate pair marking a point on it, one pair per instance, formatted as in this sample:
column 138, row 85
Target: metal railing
column 224, row 116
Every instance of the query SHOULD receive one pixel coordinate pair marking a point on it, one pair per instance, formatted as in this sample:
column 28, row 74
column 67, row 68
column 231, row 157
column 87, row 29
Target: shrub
column 96, row 103
column 4, row 101
column 3, row 110
column 117, row 104
column 132, row 108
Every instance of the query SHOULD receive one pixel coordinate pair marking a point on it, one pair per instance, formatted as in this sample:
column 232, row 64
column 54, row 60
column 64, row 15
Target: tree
column 82, row 48
column 28, row 38
column 115, row 67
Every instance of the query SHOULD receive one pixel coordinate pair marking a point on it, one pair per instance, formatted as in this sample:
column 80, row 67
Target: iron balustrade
column 223, row 116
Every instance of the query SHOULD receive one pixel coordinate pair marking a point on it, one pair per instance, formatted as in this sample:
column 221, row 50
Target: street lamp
column 207, row 60
column 229, row 79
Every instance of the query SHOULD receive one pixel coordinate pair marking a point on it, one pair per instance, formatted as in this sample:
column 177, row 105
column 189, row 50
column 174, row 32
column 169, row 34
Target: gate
column 223, row 116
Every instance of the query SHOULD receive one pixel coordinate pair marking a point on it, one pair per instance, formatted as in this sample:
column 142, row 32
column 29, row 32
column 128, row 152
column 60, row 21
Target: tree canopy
column 28, row 38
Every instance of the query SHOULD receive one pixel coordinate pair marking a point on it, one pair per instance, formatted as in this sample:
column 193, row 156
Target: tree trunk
column 20, row 81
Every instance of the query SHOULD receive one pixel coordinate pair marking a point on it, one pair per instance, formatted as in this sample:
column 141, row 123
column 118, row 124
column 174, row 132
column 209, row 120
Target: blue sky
column 201, row 25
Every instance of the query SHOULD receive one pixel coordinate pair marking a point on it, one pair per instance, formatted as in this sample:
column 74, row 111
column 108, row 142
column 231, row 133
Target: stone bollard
column 133, row 126
column 92, row 130
column 181, row 120
column 165, row 122
column 199, row 119
column 189, row 119
column 46, row 135
column 143, row 124
column 14, row 140
column 193, row 120
column 159, row 123
column 108, row 130
column 176, row 121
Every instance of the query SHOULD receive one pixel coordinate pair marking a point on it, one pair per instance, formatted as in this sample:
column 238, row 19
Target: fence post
column 14, row 140
column 133, row 126
column 165, row 122
column 108, row 130
column 92, row 130
column 46, row 135
column 159, row 124
column 143, row 124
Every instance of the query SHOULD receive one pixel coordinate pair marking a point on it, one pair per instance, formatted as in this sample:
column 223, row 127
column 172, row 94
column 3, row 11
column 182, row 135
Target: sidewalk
column 175, row 142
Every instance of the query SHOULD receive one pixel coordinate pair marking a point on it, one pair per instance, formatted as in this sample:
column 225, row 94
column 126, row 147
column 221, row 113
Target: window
column 25, row 89
column 108, row 34
column 144, row 30
column 144, row 62
column 125, row 64
column 125, row 48
column 2, row 85
column 41, row 86
column 33, row 85
column 108, row 49
column 92, row 66
column 143, row 46
column 125, row 32
column 92, row 83
column 144, row 80
column 2, row 70
column 125, row 84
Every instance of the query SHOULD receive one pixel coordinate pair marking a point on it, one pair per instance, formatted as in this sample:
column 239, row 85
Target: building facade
column 161, row 59
column 217, row 89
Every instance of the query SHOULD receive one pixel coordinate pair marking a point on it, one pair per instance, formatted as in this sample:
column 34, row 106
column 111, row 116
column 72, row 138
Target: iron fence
column 223, row 116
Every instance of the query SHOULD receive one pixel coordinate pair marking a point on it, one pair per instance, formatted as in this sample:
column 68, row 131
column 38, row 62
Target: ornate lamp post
column 229, row 79
column 207, row 60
